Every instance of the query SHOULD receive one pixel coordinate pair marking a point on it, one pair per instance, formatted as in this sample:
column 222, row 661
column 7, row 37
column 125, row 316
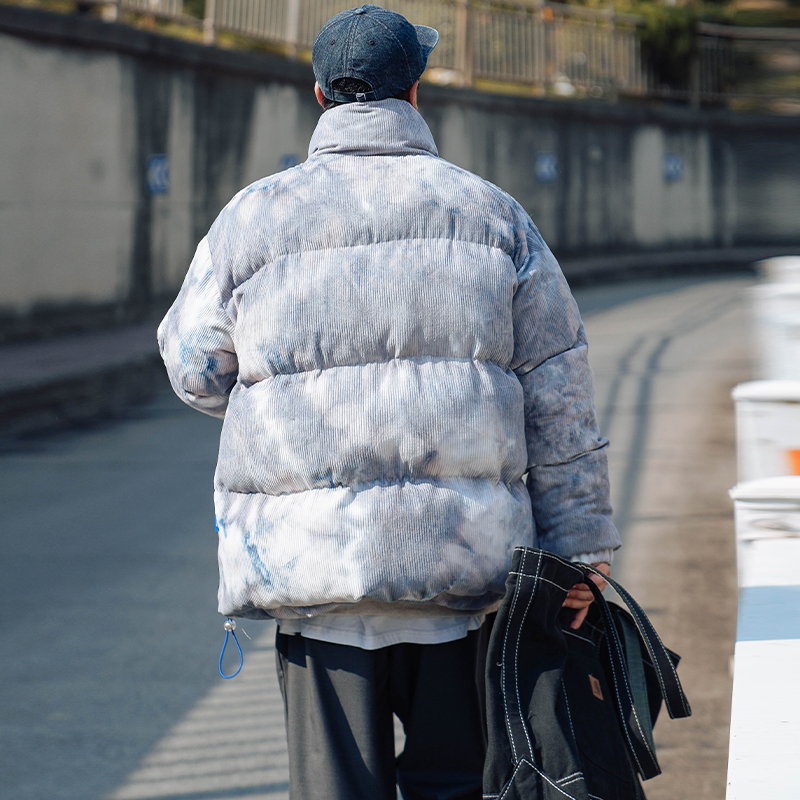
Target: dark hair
column 354, row 86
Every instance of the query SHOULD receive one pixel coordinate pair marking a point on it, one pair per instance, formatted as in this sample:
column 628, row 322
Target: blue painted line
column 767, row 613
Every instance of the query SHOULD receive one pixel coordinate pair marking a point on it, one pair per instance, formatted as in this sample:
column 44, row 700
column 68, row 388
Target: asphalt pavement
column 108, row 598
column 665, row 365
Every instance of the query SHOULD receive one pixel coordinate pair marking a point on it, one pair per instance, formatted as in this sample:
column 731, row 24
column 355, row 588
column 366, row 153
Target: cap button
column 361, row 10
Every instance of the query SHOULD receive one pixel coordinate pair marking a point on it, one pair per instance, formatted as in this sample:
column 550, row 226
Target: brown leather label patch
column 596, row 690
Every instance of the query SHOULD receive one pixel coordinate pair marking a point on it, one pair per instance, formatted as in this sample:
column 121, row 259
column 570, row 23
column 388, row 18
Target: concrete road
column 665, row 365
column 108, row 623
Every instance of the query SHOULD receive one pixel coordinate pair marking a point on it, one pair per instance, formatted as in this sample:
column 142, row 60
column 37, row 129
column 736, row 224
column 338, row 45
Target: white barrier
column 765, row 714
column 764, row 754
column 776, row 311
column 767, row 429
column 783, row 269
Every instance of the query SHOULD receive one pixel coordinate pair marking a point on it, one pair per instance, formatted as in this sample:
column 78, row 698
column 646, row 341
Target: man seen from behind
column 402, row 374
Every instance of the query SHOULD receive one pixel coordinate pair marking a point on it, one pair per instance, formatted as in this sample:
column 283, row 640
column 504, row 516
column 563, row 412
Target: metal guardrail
column 748, row 63
column 551, row 48
column 593, row 53
column 565, row 49
column 516, row 41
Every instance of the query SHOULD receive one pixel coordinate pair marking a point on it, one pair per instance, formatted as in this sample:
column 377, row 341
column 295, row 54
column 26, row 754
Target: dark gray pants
column 339, row 702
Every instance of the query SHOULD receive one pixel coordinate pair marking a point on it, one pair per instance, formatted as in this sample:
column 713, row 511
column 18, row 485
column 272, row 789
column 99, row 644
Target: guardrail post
column 548, row 36
column 210, row 22
column 463, row 43
column 292, row 27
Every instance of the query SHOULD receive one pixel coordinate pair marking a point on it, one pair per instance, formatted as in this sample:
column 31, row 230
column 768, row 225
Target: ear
column 412, row 94
column 318, row 94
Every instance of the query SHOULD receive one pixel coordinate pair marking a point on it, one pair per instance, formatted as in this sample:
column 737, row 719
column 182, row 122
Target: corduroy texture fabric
column 392, row 346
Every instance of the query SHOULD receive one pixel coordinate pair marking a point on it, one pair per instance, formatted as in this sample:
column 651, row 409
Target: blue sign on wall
column 673, row 167
column 545, row 167
column 289, row 160
column 157, row 174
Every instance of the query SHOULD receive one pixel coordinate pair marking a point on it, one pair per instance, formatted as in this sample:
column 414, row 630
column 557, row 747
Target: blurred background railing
column 566, row 50
column 749, row 64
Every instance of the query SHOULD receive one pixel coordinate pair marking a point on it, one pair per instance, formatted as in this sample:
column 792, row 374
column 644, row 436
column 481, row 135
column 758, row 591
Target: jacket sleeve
column 196, row 340
column 567, row 468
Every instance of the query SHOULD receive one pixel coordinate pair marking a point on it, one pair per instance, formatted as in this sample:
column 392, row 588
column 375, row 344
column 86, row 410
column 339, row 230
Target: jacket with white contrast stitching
column 392, row 347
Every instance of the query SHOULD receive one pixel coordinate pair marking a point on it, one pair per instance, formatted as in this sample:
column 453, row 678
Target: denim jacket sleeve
column 567, row 468
column 196, row 340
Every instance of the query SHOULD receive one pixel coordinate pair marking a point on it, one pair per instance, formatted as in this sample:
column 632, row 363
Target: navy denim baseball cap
column 375, row 45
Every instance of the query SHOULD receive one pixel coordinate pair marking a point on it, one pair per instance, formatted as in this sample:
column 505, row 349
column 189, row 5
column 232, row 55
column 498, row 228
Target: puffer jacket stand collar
column 387, row 127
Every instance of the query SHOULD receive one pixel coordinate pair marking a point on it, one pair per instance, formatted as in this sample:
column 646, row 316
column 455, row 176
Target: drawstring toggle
column 230, row 630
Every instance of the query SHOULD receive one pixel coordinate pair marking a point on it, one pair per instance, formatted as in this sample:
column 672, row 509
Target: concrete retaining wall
column 84, row 104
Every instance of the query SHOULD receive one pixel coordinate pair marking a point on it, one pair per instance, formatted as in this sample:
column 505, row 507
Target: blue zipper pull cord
column 230, row 630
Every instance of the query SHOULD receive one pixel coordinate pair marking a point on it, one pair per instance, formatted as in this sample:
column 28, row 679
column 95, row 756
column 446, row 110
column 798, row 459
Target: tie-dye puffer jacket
column 392, row 347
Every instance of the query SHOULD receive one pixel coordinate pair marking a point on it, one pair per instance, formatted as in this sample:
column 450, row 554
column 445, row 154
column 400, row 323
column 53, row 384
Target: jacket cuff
column 606, row 555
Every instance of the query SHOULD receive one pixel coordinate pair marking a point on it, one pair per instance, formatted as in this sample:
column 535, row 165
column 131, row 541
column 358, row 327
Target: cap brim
column 427, row 38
